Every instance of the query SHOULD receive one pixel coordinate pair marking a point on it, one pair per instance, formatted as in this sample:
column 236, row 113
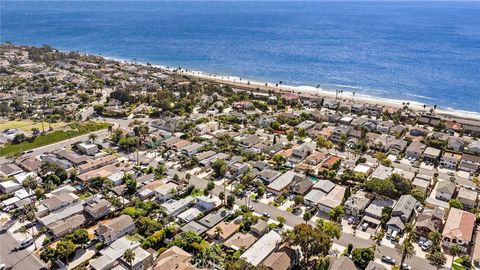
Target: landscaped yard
column 27, row 125
column 70, row 131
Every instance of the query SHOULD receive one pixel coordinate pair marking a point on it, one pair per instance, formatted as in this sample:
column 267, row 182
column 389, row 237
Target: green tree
column 65, row 249
column 230, row 200
column 337, row 213
column 79, row 237
column 307, row 216
column 130, row 182
column 324, row 143
column 210, row 185
column 298, row 199
column 362, row 256
column 455, row 251
column 290, row 135
column 405, row 249
column 219, row 168
column 386, row 214
column 49, row 254
column 312, row 242
column 455, row 203
column 302, row 133
column 437, row 258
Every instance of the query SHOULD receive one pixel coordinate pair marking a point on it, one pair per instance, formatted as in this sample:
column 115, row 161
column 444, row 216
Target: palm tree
column 406, row 250
column 23, row 230
column 92, row 137
column 454, row 251
column 187, row 177
column 129, row 256
column 218, row 231
column 436, row 238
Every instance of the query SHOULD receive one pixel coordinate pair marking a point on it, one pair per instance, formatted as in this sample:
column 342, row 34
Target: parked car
column 266, row 215
column 27, row 242
column 406, row 267
column 351, row 220
column 251, row 208
column 388, row 259
column 364, row 226
column 427, row 245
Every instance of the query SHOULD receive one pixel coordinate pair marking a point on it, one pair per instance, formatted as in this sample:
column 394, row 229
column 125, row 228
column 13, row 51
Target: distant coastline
column 346, row 96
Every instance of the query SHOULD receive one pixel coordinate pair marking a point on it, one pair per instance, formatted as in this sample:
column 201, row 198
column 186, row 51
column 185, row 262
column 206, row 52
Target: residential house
column 422, row 182
column 98, row 208
column 458, row 229
column 300, row 152
column 240, row 241
column 225, row 231
column 382, row 172
column 174, row 207
column 87, row 148
column 415, row 150
column 401, row 213
column 373, row 212
column 455, row 143
column 260, row 228
column 97, row 163
column 430, row 220
column 268, row 176
column 471, row 130
column 476, row 250
column 283, row 258
column 332, row 200
column 114, row 251
column 281, row 183
column 469, row 163
column 343, row 263
column 356, row 204
column 431, row 155
column 473, row 148
column 445, row 190
column 113, row 229
column 174, row 258
column 166, row 191
column 262, row 248
column 397, row 146
column 468, row 197
column 9, row 169
column 450, row 160
column 215, row 217
column 300, row 186
column 384, row 126
column 339, row 133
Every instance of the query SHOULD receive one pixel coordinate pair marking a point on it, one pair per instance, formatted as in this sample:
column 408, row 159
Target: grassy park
column 27, row 125
column 69, row 131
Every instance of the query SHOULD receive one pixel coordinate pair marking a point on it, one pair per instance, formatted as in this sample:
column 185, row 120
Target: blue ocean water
column 427, row 52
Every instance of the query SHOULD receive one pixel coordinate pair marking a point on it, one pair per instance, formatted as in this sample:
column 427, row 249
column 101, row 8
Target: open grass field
column 27, row 125
column 69, row 131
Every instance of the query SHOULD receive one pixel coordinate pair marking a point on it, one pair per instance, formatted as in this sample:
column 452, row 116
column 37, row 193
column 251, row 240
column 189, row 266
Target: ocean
column 427, row 52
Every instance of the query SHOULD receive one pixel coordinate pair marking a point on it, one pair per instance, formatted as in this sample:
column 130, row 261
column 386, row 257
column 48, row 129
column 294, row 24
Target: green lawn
column 70, row 131
column 27, row 125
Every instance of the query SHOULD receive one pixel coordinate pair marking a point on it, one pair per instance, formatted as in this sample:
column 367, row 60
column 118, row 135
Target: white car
column 27, row 242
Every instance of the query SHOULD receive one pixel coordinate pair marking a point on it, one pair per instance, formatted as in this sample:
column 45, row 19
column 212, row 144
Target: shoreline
column 305, row 90
column 346, row 96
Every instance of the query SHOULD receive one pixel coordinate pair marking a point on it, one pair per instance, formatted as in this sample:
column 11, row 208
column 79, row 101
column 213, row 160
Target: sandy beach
column 344, row 96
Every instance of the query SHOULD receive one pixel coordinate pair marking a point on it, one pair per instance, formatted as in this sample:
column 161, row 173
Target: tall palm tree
column 129, row 256
column 436, row 238
column 454, row 251
column 92, row 137
column 187, row 177
column 406, row 250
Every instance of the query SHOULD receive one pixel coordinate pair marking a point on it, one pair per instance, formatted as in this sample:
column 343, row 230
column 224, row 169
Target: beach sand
column 345, row 96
